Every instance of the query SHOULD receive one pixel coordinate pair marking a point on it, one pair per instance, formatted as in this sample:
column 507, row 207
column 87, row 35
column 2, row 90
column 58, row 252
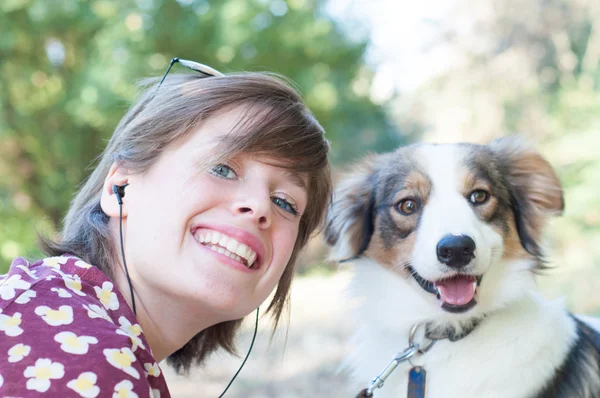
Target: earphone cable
column 247, row 355
column 124, row 262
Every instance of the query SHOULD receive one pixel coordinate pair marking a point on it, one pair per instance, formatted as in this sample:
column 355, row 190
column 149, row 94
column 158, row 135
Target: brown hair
column 276, row 123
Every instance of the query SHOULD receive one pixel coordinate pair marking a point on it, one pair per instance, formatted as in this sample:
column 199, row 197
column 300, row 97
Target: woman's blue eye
column 223, row 171
column 285, row 205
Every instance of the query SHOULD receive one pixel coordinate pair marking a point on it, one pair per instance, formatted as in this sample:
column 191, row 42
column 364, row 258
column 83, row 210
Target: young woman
column 196, row 212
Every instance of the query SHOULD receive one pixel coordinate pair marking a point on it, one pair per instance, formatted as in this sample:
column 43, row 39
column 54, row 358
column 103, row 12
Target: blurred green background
column 68, row 72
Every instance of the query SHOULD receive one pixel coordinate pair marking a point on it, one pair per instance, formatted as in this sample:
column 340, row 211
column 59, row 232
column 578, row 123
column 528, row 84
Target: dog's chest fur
column 512, row 353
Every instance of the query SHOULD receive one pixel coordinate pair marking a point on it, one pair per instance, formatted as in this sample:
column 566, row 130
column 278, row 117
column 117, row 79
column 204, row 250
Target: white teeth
column 251, row 259
column 223, row 241
column 232, row 245
column 228, row 246
column 243, row 251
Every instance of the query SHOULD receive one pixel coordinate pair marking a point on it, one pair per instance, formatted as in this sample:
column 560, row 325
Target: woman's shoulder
column 64, row 328
column 52, row 279
column 61, row 290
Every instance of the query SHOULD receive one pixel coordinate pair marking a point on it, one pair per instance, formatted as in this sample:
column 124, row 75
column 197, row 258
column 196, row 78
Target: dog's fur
column 516, row 344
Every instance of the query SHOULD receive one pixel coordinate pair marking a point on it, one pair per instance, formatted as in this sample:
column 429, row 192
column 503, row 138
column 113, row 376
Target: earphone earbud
column 119, row 190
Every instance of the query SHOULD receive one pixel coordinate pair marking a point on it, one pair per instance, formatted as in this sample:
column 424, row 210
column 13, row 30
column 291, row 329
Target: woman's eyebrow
column 297, row 179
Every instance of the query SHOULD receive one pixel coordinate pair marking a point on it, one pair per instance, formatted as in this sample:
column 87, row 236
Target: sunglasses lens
column 198, row 67
column 195, row 66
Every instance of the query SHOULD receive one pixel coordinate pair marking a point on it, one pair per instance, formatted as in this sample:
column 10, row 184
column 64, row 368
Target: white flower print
column 25, row 297
column 74, row 344
column 122, row 359
column 1, row 381
column 7, row 290
column 29, row 272
column 85, row 385
column 18, row 352
column 126, row 325
column 62, row 316
column 82, row 264
column 55, row 262
column 61, row 292
column 95, row 311
column 133, row 331
column 73, row 282
column 40, row 374
column 152, row 369
column 107, row 297
column 10, row 324
column 154, row 393
column 124, row 390
column 135, row 341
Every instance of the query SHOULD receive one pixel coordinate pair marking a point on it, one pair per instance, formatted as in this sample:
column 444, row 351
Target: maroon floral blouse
column 66, row 331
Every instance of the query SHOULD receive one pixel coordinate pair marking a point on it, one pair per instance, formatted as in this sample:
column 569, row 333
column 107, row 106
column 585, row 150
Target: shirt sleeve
column 65, row 345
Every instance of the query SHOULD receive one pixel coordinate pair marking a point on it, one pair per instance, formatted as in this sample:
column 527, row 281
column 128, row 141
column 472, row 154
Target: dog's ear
column 535, row 189
column 350, row 220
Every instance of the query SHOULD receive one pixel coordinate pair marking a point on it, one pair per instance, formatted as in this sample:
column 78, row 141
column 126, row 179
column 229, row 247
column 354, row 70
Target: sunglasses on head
column 205, row 70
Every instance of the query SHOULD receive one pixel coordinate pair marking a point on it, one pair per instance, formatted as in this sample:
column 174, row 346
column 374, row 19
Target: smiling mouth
column 227, row 246
column 456, row 293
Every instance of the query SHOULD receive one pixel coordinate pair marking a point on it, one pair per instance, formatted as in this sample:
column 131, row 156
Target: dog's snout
column 456, row 251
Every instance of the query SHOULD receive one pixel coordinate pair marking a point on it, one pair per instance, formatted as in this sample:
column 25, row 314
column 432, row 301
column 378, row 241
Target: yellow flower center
column 42, row 373
column 73, row 341
column 121, row 359
column 74, row 284
column 13, row 321
column 83, row 384
column 57, row 315
column 105, row 296
column 19, row 350
column 135, row 329
column 53, row 262
column 123, row 393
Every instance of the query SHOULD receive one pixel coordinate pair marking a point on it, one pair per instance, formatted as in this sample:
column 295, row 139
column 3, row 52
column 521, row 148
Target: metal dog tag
column 417, row 382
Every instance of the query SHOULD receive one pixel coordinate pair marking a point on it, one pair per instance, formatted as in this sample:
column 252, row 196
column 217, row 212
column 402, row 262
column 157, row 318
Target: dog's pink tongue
column 458, row 290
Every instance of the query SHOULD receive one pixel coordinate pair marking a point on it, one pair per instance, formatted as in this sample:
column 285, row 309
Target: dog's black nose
column 456, row 251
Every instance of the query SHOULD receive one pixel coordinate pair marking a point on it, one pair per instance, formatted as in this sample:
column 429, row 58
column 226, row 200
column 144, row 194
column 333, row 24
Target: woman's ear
column 536, row 191
column 350, row 222
column 117, row 176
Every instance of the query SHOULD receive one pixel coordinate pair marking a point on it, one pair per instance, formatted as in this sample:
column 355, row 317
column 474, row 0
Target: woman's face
column 219, row 239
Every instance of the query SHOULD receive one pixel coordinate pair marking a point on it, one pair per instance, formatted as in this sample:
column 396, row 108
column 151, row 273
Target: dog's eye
column 479, row 197
column 407, row 206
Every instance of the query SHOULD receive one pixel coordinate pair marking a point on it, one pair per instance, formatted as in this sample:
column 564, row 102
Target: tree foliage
column 68, row 72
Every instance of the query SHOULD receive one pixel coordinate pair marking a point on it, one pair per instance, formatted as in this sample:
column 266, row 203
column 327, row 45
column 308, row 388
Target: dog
column 445, row 240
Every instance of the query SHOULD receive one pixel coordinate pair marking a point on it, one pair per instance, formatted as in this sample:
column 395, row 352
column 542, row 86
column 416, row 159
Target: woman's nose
column 256, row 206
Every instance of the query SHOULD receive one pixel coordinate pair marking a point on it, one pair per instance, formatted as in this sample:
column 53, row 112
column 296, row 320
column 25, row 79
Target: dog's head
column 461, row 223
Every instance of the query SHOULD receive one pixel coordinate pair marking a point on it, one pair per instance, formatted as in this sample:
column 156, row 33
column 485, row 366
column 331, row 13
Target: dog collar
column 450, row 332
column 417, row 374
